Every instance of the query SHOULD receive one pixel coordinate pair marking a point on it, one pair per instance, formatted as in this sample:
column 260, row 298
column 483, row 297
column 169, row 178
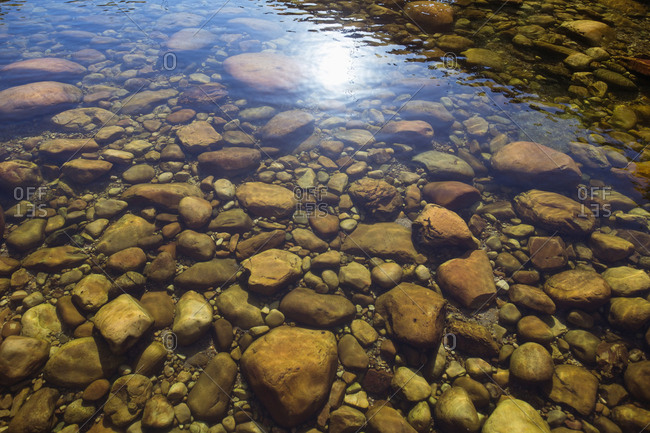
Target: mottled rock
column 385, row 240
column 437, row 226
column 555, row 212
column 515, row 415
column 575, row 288
column 230, row 160
column 192, row 318
column 85, row 171
column 575, row 387
column 36, row 414
column 21, row 357
column 444, row 166
column 127, row 399
column 215, row 273
column 531, row 363
column 124, row 233
column 451, row 194
column 239, row 307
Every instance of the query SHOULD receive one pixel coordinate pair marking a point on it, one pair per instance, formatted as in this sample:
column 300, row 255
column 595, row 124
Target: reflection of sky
column 345, row 59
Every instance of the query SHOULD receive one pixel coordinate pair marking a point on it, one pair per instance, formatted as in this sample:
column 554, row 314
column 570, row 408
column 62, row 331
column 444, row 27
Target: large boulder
column 291, row 371
column 555, row 212
column 531, row 164
column 22, row 102
column 574, row 386
column 415, row 315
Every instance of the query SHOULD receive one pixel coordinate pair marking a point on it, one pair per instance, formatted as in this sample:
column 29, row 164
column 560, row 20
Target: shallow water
column 354, row 71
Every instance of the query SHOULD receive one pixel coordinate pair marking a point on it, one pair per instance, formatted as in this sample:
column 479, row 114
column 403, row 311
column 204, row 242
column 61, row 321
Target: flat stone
column 532, row 164
column 124, row 233
column 125, row 403
column 272, row 270
column 581, row 289
column 92, row 292
column 198, row 136
column 86, row 171
column 288, row 127
column 574, row 386
column 167, row 196
column 385, row 240
column 444, row 166
column 555, row 212
column 307, row 307
column 214, row 273
column 54, row 259
column 79, row 362
column 515, row 415
column 437, row 226
column 36, row 414
column 146, row 100
column 231, row 160
column 627, row 281
column 190, row 39
column 43, row 97
column 451, row 194
column 267, row 200
column 66, row 148
column 265, row 72
column 433, row 16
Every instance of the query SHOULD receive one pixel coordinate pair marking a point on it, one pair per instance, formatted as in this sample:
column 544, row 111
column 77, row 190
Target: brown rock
column 574, row 386
column 49, row 68
column 307, row 307
column 272, row 270
column 198, row 136
column 230, row 160
column 407, row 131
column 378, row 197
column 22, row 102
column 36, row 414
column 130, row 259
column 66, row 148
column 437, row 226
column 451, row 194
column 18, row 174
column 258, row 243
column 531, row 297
column 288, row 127
column 432, row 16
column 167, row 196
column 414, row 314
column 547, row 253
column 86, row 171
column 267, row 200
column 532, row 164
column 578, row 289
column 385, row 240
column 468, row 279
column 265, row 72
column 555, row 212
column 21, row 358
column 291, row 371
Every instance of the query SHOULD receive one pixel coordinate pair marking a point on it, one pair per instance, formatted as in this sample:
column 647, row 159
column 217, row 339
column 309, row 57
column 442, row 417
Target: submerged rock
column 414, row 314
column 555, row 212
column 532, row 164
column 49, row 68
column 291, row 371
column 385, row 240
column 28, row 100
column 265, row 72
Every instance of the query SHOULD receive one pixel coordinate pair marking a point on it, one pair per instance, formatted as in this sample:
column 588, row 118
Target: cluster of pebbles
column 175, row 258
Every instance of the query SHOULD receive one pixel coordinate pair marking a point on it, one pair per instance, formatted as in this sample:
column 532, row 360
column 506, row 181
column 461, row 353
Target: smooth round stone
column 195, row 211
column 531, row 362
column 509, row 314
column 140, row 173
column 348, row 225
column 532, row 328
column 387, row 275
